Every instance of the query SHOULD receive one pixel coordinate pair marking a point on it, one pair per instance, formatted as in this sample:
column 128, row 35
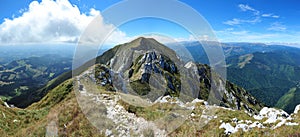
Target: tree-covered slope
column 29, row 74
column 267, row 76
column 289, row 100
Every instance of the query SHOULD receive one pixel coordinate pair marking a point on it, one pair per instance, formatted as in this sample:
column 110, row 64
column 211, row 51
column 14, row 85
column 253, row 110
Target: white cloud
column 22, row 10
column 233, row 22
column 236, row 21
column 266, row 15
column 244, row 7
column 257, row 18
column 247, row 36
column 51, row 21
column 275, row 16
column 270, row 15
column 277, row 26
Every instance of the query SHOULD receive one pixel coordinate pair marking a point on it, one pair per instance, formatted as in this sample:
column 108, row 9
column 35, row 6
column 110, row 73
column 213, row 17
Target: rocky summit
column 147, row 68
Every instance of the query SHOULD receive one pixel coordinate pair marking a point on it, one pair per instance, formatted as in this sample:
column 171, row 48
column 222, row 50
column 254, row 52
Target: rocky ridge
column 125, row 121
column 141, row 66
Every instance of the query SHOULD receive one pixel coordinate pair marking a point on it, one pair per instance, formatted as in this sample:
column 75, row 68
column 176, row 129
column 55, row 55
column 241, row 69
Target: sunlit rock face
column 148, row 68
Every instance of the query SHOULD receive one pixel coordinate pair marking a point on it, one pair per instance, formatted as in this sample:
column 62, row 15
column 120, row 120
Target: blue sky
column 232, row 21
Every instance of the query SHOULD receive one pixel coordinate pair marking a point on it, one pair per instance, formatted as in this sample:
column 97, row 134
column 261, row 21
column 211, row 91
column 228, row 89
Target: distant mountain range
column 268, row 72
column 198, row 53
column 9, row 53
column 30, row 74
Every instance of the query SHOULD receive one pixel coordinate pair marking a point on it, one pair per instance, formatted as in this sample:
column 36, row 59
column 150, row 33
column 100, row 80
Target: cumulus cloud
column 51, row 21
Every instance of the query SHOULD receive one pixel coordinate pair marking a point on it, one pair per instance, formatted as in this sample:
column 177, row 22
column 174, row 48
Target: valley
column 27, row 75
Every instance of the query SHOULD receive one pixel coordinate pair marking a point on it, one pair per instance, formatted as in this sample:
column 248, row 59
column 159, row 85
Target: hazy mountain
column 198, row 53
column 29, row 74
column 11, row 53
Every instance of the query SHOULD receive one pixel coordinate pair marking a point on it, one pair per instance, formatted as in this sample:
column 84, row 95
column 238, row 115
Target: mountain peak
column 122, row 56
column 144, row 39
column 144, row 42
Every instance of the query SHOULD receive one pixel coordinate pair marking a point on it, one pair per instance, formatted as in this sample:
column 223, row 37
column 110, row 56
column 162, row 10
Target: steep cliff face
column 156, row 71
column 149, row 69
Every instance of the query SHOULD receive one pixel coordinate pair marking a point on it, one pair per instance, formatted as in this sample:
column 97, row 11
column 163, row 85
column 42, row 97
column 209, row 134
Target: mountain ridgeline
column 149, row 69
column 268, row 72
column 145, row 69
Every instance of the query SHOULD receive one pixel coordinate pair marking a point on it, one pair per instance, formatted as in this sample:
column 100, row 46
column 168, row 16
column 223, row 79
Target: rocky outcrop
column 145, row 65
column 297, row 109
column 222, row 92
column 103, row 75
column 151, row 63
column 267, row 118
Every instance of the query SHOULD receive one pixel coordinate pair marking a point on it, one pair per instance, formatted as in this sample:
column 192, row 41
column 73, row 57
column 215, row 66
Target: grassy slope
column 268, row 76
column 25, row 72
column 289, row 100
column 30, row 97
column 59, row 105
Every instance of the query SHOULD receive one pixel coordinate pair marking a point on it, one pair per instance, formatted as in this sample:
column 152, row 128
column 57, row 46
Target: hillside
column 59, row 113
column 268, row 72
column 57, row 109
column 146, row 92
column 289, row 100
column 27, row 98
column 147, row 57
column 267, row 76
column 30, row 74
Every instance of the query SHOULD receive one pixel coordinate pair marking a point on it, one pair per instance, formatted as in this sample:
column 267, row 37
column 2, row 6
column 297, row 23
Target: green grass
column 59, row 105
column 51, row 75
column 149, row 113
column 290, row 100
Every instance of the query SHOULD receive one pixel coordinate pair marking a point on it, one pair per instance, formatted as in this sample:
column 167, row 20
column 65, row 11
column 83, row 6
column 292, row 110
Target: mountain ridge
column 146, row 57
column 59, row 112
